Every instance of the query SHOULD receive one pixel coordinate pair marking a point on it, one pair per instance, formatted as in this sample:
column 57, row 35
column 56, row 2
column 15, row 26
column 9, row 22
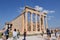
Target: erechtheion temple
column 35, row 22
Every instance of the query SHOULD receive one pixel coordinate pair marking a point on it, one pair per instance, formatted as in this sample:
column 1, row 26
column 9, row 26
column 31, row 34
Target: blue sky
column 9, row 9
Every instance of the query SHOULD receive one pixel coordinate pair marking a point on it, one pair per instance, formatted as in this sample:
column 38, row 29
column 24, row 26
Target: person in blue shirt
column 48, row 32
column 7, row 33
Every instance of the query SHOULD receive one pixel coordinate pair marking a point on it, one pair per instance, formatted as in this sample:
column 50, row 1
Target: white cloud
column 50, row 17
column 38, row 8
column 20, row 9
column 52, row 11
column 46, row 11
column 43, row 10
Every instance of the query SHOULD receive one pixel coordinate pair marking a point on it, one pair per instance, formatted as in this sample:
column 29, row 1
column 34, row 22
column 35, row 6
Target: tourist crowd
column 16, row 34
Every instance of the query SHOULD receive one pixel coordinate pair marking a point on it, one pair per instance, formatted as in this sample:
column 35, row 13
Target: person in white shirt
column 14, row 34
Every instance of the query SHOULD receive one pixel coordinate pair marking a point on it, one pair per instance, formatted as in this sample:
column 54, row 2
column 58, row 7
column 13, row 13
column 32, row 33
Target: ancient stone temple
column 35, row 22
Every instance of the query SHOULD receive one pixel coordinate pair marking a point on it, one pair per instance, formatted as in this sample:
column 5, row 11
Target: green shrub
column 0, row 35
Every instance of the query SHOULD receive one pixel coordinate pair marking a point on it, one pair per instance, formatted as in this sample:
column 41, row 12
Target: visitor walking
column 24, row 34
column 14, row 34
column 18, row 33
column 3, row 37
column 48, row 33
column 7, row 33
column 55, row 33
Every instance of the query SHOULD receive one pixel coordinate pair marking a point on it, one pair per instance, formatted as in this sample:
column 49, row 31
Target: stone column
column 43, row 26
column 36, row 21
column 40, row 23
column 26, row 21
column 46, row 22
column 23, row 22
column 31, row 22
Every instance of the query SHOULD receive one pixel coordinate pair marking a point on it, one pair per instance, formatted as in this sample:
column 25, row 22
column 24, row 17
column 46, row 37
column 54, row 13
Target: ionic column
column 23, row 22
column 46, row 22
column 36, row 21
column 40, row 23
column 43, row 26
column 31, row 22
column 26, row 21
